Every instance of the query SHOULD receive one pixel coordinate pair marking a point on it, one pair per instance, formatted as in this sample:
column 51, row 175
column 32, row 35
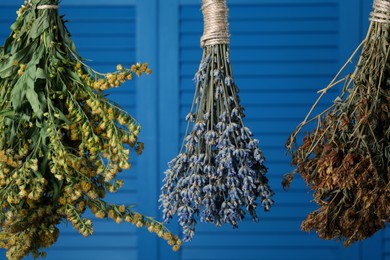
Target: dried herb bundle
column 346, row 158
column 220, row 174
column 62, row 141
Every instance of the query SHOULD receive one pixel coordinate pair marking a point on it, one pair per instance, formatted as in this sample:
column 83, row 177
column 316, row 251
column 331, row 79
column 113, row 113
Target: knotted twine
column 43, row 7
column 381, row 12
column 219, row 172
column 216, row 25
column 345, row 160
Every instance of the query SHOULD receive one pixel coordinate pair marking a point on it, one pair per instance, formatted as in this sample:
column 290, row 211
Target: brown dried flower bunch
column 346, row 158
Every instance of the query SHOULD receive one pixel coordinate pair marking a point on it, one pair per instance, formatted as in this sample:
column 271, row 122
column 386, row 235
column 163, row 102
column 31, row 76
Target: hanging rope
column 43, row 7
column 381, row 12
column 216, row 25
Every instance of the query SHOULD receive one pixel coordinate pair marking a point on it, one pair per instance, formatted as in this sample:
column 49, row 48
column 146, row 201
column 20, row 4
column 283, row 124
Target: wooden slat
column 266, row 40
column 263, row 128
column 112, row 57
column 100, row 25
column 253, row 241
column 257, row 115
column 106, row 12
column 80, row 13
column 269, row 253
column 271, row 55
column 271, row 11
column 268, row 2
column 112, row 42
column 98, row 253
column 266, row 225
column 265, row 26
column 386, row 244
column 257, row 99
column 387, row 232
column 75, row 241
column 296, row 69
column 275, row 84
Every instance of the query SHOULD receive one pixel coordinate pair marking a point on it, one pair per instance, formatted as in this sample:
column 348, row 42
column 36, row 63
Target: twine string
column 381, row 11
column 216, row 25
column 43, row 7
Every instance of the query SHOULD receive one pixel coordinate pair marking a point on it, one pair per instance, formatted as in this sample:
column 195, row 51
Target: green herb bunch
column 346, row 158
column 62, row 141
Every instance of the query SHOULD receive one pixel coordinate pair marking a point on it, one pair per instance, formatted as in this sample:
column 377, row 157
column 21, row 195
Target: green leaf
column 7, row 113
column 25, row 117
column 6, row 67
column 16, row 24
column 62, row 116
column 36, row 57
column 39, row 26
column 43, row 134
column 43, row 163
column 40, row 74
column 25, row 88
column 72, row 75
column 42, row 98
column 12, row 133
column 19, row 90
column 32, row 98
column 57, row 188
column 7, row 43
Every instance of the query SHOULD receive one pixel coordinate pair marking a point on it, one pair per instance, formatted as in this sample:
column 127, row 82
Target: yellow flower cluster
column 139, row 68
column 20, row 238
column 22, row 10
column 85, row 156
column 122, row 213
column 22, row 69
column 115, row 79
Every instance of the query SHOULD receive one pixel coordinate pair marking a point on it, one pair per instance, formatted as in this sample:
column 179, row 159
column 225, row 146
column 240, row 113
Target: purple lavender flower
column 221, row 174
column 228, row 81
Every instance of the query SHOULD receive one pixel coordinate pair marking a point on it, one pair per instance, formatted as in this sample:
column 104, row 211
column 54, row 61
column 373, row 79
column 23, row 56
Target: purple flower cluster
column 220, row 175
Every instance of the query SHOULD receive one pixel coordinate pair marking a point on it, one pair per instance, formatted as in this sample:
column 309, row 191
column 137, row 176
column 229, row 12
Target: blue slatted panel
column 386, row 244
column 281, row 55
column 104, row 36
column 283, row 51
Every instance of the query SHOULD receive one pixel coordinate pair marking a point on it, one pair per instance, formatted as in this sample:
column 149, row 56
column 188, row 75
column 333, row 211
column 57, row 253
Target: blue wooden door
column 283, row 51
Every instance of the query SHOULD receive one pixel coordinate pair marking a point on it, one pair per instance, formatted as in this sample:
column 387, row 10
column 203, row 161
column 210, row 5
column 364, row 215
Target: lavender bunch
column 220, row 174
